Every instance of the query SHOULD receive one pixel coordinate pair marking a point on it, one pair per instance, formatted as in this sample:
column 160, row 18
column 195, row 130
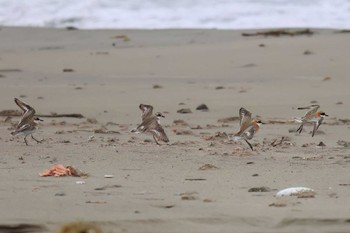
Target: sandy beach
column 200, row 181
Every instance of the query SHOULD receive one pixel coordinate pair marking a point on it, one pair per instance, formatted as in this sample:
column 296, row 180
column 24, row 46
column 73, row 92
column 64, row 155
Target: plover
column 248, row 127
column 28, row 123
column 151, row 124
column 312, row 116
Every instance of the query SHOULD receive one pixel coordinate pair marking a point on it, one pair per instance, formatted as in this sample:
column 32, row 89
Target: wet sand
column 105, row 74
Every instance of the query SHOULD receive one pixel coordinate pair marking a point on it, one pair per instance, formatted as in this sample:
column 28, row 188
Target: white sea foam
column 223, row 14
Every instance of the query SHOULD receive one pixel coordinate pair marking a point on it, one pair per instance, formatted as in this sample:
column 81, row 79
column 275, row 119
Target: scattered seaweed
column 343, row 143
column 278, row 204
column 124, row 38
column 189, row 196
column 180, row 123
column 277, row 33
column 21, row 228
column 68, row 70
column 259, row 189
column 228, row 119
column 343, row 31
column 10, row 70
column 11, row 113
column 207, row 166
column 275, row 143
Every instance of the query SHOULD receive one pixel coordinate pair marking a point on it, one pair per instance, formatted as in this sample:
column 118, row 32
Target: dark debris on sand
column 259, row 189
column 202, row 107
column 277, row 33
column 184, row 111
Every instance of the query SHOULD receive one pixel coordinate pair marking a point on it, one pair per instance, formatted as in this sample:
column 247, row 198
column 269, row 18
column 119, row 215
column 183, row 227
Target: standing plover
column 312, row 116
column 151, row 124
column 28, row 123
column 248, row 127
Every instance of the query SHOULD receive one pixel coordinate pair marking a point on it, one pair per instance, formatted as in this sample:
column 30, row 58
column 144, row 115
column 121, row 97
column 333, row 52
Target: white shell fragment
column 108, row 176
column 294, row 191
column 91, row 138
column 80, row 182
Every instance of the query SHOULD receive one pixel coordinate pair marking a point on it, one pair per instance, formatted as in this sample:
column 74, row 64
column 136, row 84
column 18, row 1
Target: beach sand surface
column 105, row 74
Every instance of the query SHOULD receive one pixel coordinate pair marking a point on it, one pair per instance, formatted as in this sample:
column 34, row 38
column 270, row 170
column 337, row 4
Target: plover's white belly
column 314, row 120
column 235, row 138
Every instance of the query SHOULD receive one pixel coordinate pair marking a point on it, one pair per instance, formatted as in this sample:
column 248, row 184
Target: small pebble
column 60, row 194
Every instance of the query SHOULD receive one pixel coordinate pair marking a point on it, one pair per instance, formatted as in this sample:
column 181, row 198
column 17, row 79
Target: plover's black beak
column 38, row 119
column 158, row 114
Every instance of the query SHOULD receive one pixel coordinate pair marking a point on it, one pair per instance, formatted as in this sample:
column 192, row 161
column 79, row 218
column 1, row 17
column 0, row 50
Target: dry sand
column 160, row 188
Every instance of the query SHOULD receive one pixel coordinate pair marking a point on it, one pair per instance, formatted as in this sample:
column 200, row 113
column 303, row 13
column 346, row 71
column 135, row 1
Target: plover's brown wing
column 147, row 124
column 147, row 110
column 313, row 109
column 25, row 107
column 244, row 116
column 28, row 112
column 245, row 120
column 316, row 126
column 159, row 133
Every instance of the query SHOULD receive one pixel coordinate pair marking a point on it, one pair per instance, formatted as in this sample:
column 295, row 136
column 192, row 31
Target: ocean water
column 155, row 14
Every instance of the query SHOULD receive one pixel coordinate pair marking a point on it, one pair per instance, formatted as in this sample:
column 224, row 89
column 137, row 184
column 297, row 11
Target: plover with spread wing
column 28, row 123
column 312, row 116
column 151, row 124
column 248, row 127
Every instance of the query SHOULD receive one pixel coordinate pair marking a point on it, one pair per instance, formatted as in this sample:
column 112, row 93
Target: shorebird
column 28, row 123
column 248, row 127
column 151, row 124
column 312, row 116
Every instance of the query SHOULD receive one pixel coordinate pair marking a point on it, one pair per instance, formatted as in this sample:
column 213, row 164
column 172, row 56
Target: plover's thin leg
column 37, row 141
column 250, row 145
column 300, row 128
column 25, row 140
column 315, row 129
column 156, row 140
